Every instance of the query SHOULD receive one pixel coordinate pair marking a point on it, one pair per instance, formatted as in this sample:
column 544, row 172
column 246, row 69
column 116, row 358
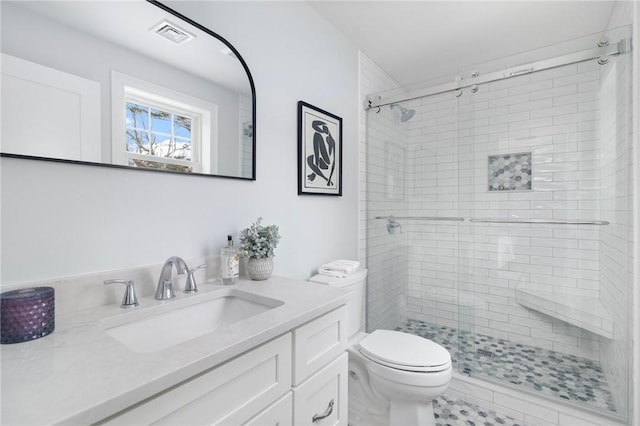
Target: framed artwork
column 319, row 151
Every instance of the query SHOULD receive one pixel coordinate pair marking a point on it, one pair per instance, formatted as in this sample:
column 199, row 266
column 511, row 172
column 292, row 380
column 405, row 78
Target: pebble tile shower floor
column 562, row 376
column 455, row 412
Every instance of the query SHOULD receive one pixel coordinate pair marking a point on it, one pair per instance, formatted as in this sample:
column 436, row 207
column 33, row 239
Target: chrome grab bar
column 541, row 221
column 497, row 220
column 456, row 219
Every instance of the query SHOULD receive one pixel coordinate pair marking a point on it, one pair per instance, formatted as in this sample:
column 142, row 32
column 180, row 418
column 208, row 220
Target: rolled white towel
column 339, row 268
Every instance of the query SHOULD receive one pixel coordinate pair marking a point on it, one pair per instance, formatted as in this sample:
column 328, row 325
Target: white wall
column 61, row 220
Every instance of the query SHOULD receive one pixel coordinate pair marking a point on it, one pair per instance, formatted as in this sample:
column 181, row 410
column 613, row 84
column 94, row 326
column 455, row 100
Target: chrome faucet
column 164, row 291
column 393, row 225
column 190, row 285
column 129, row 300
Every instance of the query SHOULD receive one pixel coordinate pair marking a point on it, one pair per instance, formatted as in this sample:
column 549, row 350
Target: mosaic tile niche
column 510, row 172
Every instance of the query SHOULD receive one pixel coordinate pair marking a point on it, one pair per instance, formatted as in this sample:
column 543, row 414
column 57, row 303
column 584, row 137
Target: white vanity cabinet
column 294, row 379
column 246, row 384
column 320, row 370
column 322, row 399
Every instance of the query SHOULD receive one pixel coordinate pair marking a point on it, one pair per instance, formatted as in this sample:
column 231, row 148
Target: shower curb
column 525, row 407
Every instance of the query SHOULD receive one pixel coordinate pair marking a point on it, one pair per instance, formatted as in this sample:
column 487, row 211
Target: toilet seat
column 406, row 352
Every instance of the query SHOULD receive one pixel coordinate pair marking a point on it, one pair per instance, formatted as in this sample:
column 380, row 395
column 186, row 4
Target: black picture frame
column 319, row 151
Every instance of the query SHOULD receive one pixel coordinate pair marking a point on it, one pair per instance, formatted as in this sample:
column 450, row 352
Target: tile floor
column 451, row 412
column 555, row 374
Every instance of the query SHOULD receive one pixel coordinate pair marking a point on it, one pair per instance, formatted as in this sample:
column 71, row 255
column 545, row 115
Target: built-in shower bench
column 585, row 312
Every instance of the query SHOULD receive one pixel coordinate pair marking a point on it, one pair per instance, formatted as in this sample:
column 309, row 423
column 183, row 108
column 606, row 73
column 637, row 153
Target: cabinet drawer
column 322, row 399
column 278, row 414
column 231, row 393
column 318, row 342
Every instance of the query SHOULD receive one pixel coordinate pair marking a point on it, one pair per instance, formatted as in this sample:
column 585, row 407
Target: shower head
column 406, row 113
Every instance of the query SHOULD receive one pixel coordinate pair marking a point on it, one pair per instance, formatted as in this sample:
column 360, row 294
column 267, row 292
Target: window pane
column 182, row 126
column 183, row 149
column 158, row 133
column 137, row 141
column 137, row 116
column 160, row 121
column 154, row 143
column 134, row 142
column 162, row 145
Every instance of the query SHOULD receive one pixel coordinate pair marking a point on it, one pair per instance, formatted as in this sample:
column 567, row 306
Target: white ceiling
column 416, row 41
column 130, row 24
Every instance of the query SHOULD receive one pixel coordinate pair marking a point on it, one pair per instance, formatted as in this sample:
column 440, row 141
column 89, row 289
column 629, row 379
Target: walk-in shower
column 498, row 219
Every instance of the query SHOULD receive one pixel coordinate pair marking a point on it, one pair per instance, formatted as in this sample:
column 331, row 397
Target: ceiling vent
column 172, row 32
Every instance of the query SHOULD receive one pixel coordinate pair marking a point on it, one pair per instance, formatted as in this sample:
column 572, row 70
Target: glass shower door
column 386, row 199
column 547, row 245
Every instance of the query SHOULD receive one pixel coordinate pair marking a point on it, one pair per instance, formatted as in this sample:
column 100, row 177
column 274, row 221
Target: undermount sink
column 158, row 331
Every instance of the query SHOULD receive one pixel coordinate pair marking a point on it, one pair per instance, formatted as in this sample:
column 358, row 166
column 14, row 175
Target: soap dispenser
column 229, row 263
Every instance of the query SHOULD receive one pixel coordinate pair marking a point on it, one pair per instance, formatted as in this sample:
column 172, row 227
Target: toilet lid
column 405, row 351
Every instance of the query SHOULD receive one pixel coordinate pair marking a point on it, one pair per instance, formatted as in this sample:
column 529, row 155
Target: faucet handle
column 190, row 285
column 129, row 300
column 392, row 225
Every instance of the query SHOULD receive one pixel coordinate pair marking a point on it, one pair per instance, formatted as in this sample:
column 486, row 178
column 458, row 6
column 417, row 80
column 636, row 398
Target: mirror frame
column 119, row 166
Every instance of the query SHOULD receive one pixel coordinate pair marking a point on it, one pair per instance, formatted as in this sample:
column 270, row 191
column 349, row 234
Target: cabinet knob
column 327, row 413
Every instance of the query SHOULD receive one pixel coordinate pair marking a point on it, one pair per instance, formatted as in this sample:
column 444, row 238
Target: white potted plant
column 257, row 244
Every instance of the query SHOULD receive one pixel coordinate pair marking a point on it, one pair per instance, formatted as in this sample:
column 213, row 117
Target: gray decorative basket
column 26, row 314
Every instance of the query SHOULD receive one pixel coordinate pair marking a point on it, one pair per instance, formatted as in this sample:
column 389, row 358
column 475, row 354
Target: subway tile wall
column 525, row 408
column 465, row 275
column 616, row 196
column 467, row 272
column 387, row 254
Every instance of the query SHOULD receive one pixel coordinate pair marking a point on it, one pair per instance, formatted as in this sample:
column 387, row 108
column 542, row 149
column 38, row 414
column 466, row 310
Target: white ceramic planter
column 259, row 269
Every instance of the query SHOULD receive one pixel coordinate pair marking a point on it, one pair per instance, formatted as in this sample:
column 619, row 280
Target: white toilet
column 393, row 376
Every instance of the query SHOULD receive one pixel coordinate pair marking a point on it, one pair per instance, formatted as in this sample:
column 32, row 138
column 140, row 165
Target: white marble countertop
column 79, row 374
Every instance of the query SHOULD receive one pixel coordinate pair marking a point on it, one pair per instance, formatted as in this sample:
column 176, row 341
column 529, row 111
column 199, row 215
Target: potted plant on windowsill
column 257, row 244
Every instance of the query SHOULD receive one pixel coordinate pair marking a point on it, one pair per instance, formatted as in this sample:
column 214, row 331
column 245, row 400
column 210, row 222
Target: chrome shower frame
column 601, row 53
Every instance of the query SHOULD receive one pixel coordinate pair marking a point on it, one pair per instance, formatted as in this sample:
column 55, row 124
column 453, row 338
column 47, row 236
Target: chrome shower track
column 600, row 53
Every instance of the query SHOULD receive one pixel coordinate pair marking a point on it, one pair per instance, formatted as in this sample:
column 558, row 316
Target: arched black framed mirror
column 130, row 84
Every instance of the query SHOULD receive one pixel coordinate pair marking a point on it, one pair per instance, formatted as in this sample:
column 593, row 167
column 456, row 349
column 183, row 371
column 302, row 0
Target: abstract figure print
column 319, row 151
column 322, row 161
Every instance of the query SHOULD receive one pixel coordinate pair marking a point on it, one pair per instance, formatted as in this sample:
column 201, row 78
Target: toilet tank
column 354, row 284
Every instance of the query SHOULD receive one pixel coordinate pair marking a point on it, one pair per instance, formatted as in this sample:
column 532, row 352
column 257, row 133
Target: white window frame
column 204, row 134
